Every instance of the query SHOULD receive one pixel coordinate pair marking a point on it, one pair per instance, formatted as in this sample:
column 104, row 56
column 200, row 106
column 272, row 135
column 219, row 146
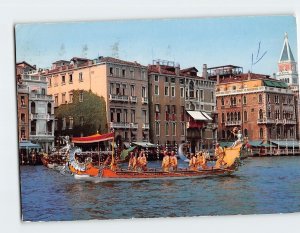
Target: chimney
column 204, row 71
column 34, row 66
column 158, row 66
column 177, row 69
column 249, row 75
column 218, row 78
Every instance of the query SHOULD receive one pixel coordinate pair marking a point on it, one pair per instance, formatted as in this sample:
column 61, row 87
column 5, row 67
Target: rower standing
column 219, row 154
column 193, row 162
column 173, row 161
column 165, row 162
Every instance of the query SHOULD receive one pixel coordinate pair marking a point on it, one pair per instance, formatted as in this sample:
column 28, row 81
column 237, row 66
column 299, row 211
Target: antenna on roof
column 258, row 57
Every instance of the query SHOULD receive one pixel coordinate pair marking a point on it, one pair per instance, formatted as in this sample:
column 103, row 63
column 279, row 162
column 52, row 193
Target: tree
column 85, row 116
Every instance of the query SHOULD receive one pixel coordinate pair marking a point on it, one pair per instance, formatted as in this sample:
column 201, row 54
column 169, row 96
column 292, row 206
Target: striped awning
column 199, row 116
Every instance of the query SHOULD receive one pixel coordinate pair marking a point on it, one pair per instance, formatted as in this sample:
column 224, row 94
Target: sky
column 189, row 42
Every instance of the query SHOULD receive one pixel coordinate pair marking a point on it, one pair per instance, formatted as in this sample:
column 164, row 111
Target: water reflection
column 268, row 185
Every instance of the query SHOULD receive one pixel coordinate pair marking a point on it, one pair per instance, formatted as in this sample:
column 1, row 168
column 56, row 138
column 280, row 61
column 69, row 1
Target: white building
column 41, row 110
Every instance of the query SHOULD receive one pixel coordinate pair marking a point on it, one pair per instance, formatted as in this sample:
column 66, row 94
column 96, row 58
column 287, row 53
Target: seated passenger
column 132, row 161
column 219, row 154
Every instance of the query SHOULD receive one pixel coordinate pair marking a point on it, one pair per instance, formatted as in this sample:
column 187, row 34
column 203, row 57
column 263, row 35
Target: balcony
column 144, row 100
column 146, row 126
column 133, row 99
column 119, row 98
column 134, row 125
column 119, row 125
column 266, row 121
column 233, row 123
column 40, row 97
column 41, row 116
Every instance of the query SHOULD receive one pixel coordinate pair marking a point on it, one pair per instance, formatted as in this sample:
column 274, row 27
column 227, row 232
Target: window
column 167, row 109
column 143, row 75
column 63, row 79
column 63, row 98
column 156, row 90
column 22, row 101
column 222, row 101
column 167, row 129
column 50, row 83
column 71, row 122
column 23, row 118
column 245, row 132
column 133, row 116
column 173, row 129
column 111, row 71
column 181, row 81
column 111, row 88
column 261, row 133
column 172, row 80
column 244, row 100
column 261, row 115
column 132, row 74
column 81, row 96
column 70, row 78
column 56, row 99
column 132, row 92
column 156, row 78
column 112, row 116
column 43, row 92
column 182, row 129
column 173, row 91
column 223, row 117
column 157, row 108
column 245, row 116
column 144, row 94
column 117, row 72
column 212, row 96
column 71, row 97
column 223, row 134
column 123, row 72
column 260, row 98
column 181, row 92
column 201, row 95
column 80, row 77
column 166, row 90
column 166, row 79
column 157, row 128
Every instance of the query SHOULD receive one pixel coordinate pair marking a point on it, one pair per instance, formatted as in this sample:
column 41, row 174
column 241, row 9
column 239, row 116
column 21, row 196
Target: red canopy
column 94, row 138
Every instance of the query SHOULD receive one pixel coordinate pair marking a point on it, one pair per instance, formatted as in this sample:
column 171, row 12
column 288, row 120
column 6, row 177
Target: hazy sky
column 189, row 42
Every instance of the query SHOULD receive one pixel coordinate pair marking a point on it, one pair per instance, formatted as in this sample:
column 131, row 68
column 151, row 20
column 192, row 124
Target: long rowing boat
column 87, row 172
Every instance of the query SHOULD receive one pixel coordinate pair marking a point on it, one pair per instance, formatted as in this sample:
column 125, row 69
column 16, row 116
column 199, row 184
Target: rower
column 132, row 161
column 143, row 162
column 192, row 164
column 165, row 162
column 199, row 159
column 173, row 161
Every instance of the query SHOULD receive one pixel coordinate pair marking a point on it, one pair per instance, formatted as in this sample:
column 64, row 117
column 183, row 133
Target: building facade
column 180, row 105
column 40, row 108
column 263, row 108
column 122, row 84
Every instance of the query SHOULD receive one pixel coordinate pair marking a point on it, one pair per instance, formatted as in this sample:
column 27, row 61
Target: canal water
column 261, row 186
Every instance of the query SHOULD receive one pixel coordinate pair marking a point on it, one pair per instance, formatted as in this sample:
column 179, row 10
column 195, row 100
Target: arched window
column 32, row 106
column 228, row 116
column 261, row 115
column 222, row 101
column 239, row 116
column 234, row 100
column 191, row 89
column 235, row 116
column 261, row 133
column 157, row 128
column 167, row 129
column 245, row 116
column 231, row 116
column 260, row 98
column 223, row 117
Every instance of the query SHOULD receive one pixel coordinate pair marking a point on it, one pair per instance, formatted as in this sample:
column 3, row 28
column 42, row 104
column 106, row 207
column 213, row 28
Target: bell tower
column 287, row 66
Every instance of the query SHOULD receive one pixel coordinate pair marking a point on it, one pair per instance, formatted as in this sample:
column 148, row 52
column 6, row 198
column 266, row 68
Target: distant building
column 39, row 106
column 123, row 85
column 263, row 108
column 180, row 105
column 288, row 73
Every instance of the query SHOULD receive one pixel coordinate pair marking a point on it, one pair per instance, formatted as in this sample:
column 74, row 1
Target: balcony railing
column 276, row 121
column 144, row 100
column 40, row 97
column 134, row 125
column 146, row 126
column 119, row 125
column 121, row 98
column 232, row 123
column 253, row 90
column 39, row 116
column 133, row 99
